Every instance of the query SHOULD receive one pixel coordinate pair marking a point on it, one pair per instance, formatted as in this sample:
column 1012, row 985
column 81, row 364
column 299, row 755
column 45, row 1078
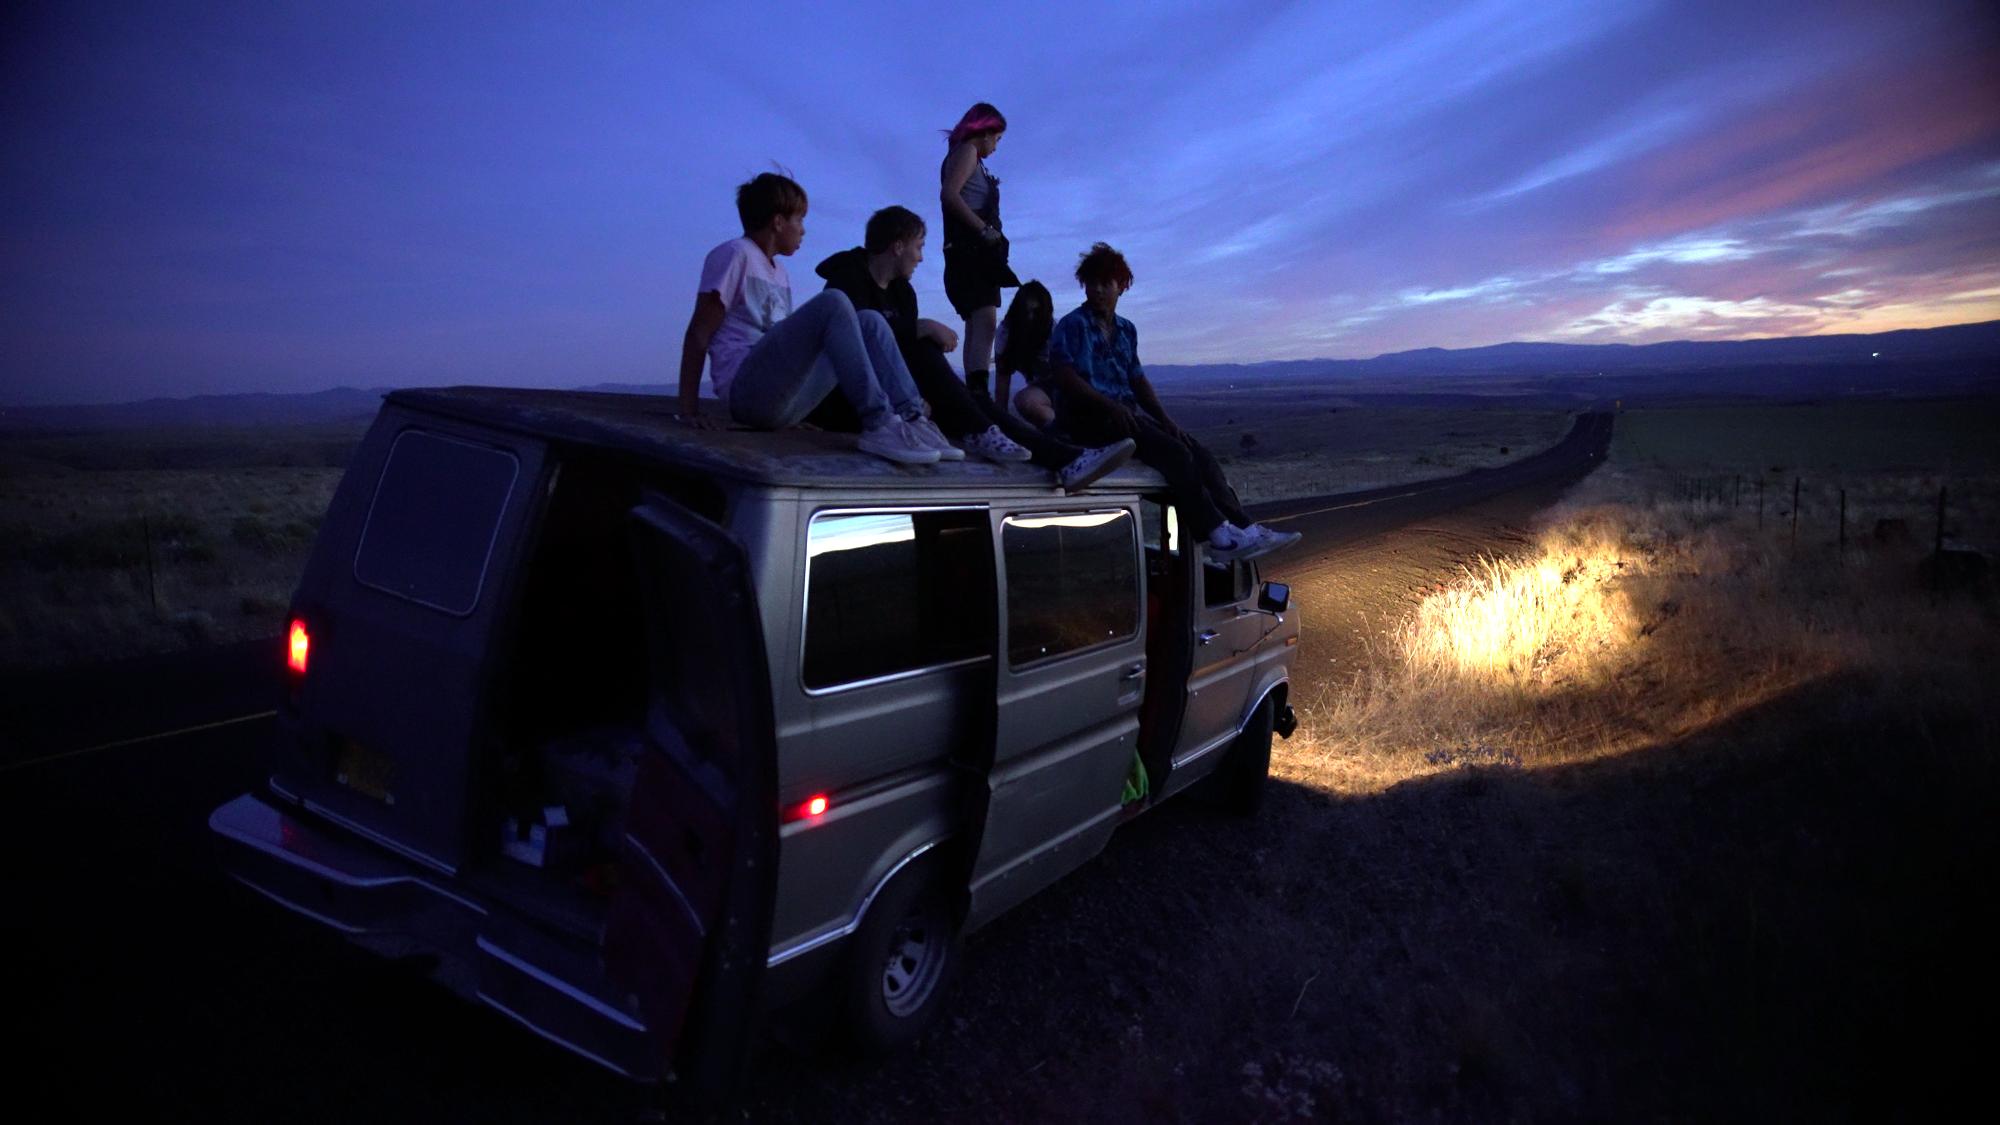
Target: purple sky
column 207, row 198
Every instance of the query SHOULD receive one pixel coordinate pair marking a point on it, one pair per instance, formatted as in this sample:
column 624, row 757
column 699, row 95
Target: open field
column 1937, row 437
column 231, row 511
column 122, row 543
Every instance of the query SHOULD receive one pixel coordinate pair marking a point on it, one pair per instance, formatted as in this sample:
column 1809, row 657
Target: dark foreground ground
column 1771, row 921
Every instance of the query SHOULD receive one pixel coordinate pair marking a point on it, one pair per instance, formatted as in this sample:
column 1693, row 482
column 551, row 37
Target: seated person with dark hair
column 875, row 276
column 1022, row 344
column 1102, row 394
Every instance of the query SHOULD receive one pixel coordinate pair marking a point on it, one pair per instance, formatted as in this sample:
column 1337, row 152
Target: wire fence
column 1791, row 506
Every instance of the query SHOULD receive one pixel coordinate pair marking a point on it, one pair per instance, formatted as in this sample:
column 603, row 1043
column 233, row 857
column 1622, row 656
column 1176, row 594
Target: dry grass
column 1638, row 620
column 121, row 545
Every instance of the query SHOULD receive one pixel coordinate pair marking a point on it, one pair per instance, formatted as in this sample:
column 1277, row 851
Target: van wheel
column 901, row 960
column 1242, row 777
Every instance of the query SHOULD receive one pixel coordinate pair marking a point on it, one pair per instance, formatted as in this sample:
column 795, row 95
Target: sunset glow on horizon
column 215, row 202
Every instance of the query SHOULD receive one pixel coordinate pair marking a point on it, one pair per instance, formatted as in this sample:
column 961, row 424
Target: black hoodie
column 847, row 271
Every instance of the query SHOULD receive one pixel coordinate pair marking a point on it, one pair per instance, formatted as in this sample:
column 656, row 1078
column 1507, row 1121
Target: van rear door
column 405, row 590
column 689, row 928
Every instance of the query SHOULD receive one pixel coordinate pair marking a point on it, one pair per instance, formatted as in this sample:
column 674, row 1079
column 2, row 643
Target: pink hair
column 981, row 118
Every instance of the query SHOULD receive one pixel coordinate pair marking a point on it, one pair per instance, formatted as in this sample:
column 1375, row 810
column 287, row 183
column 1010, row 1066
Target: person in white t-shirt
column 771, row 365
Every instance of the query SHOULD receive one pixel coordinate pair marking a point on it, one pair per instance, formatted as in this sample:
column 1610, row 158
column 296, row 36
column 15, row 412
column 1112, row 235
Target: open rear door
column 689, row 927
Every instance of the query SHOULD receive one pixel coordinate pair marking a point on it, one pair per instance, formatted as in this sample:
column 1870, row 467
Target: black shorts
column 973, row 277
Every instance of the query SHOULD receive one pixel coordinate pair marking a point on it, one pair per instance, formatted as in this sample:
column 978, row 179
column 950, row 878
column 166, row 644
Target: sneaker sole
column 1098, row 472
column 898, row 454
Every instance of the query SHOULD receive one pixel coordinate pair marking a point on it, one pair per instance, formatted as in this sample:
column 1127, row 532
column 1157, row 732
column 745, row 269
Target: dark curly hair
column 1102, row 263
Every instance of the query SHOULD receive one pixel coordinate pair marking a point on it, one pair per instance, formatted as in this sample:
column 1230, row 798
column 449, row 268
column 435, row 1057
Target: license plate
column 366, row 772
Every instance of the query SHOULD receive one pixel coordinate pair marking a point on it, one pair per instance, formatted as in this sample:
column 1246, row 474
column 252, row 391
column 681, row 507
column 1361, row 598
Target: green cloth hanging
column 1136, row 784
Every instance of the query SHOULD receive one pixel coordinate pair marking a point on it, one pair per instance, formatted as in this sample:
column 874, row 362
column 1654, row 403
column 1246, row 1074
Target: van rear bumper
column 555, row 989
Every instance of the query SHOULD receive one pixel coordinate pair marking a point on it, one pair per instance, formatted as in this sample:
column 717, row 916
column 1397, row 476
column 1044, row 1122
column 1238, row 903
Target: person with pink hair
column 975, row 250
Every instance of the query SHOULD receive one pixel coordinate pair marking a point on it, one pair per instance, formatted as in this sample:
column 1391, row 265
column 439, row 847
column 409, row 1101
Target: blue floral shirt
column 1109, row 366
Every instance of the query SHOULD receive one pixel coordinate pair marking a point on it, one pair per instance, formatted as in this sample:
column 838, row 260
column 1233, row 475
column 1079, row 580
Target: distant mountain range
column 1969, row 342
column 1959, row 359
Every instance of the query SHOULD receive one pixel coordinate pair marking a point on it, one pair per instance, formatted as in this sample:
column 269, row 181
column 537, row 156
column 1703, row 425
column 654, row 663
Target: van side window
column 893, row 592
column 431, row 526
column 1223, row 585
column 1072, row 582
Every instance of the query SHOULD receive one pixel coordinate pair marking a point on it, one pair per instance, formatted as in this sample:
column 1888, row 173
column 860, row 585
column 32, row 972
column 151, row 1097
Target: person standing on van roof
column 975, row 251
column 771, row 365
column 875, row 276
column 1102, row 393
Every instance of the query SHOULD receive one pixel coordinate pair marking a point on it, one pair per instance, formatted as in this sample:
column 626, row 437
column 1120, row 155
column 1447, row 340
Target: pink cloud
column 1843, row 137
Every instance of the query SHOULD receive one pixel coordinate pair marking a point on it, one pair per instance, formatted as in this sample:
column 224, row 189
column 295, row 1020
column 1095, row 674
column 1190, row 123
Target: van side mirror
column 1276, row 598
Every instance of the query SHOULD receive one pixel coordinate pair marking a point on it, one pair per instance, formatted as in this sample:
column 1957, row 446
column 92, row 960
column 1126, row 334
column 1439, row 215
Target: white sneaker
column 993, row 445
column 1091, row 465
column 927, row 430
column 895, row 441
column 1228, row 543
column 1273, row 539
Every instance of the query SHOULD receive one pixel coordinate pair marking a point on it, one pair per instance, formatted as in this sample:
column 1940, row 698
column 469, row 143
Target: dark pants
column 958, row 410
column 1199, row 489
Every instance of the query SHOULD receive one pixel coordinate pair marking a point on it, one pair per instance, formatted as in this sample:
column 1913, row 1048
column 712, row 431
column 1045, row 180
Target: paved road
column 138, row 976
column 1331, row 521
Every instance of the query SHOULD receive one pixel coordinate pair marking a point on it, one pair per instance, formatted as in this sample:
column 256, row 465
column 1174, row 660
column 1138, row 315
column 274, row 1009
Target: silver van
column 644, row 732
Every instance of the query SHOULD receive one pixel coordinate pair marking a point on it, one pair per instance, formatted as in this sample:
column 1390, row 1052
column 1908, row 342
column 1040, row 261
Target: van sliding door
column 1072, row 672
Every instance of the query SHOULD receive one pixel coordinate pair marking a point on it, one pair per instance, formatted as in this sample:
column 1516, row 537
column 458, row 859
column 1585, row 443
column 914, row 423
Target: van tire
column 1243, row 775
column 900, row 964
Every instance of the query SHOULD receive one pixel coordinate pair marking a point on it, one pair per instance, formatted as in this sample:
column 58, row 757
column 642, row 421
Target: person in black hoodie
column 876, row 276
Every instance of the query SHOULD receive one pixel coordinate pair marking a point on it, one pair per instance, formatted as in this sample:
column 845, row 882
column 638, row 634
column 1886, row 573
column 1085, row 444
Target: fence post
column 1795, row 513
column 152, row 590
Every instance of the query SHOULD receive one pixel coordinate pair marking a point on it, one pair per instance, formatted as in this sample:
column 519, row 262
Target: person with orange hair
column 1102, row 395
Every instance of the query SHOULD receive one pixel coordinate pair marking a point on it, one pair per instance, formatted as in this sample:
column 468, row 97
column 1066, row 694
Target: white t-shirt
column 756, row 293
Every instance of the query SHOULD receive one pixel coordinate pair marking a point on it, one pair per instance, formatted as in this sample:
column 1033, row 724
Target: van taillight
column 811, row 809
column 298, row 641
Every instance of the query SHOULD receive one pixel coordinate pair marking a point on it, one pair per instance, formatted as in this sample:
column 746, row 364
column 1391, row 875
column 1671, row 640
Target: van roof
column 643, row 426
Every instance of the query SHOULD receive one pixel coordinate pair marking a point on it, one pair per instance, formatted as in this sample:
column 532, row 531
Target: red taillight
column 296, row 645
column 809, row 809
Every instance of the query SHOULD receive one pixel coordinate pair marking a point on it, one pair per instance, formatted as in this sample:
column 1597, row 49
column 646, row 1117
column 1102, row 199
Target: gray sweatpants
column 824, row 344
